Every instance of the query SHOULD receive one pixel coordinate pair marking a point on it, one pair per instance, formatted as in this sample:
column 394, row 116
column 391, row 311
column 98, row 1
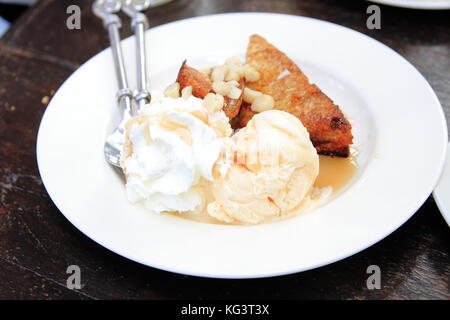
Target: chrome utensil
column 106, row 10
column 139, row 23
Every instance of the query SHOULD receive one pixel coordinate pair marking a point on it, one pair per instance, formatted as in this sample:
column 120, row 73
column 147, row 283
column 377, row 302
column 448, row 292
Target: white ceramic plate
column 417, row 4
column 442, row 192
column 398, row 124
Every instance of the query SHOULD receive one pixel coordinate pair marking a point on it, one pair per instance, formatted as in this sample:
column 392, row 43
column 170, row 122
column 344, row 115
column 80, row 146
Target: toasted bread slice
column 330, row 132
column 201, row 86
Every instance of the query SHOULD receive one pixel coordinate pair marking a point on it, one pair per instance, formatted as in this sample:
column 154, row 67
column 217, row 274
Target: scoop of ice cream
column 272, row 171
column 169, row 153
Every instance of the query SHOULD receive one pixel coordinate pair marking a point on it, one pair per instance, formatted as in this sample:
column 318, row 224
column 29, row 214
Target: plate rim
column 267, row 274
column 443, row 209
column 418, row 5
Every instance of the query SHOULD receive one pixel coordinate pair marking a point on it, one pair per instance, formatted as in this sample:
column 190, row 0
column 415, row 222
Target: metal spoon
column 139, row 24
column 106, row 9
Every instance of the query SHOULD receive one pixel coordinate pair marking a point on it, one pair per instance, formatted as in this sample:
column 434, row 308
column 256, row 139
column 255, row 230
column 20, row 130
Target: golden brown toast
column 330, row 132
column 201, row 86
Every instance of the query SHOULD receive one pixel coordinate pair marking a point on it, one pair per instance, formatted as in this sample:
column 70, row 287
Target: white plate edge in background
column 441, row 193
column 416, row 4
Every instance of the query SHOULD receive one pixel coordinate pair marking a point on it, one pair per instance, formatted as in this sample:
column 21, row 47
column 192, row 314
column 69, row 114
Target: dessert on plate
column 280, row 78
column 182, row 155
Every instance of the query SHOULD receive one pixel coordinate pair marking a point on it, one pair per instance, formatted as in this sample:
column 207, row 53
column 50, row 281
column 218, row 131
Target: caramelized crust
column 200, row 83
column 244, row 116
column 201, row 86
column 329, row 130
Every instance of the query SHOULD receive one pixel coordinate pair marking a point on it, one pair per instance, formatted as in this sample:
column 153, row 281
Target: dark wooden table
column 37, row 243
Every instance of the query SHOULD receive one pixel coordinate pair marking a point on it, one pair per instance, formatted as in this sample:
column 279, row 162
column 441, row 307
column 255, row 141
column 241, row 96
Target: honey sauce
column 335, row 172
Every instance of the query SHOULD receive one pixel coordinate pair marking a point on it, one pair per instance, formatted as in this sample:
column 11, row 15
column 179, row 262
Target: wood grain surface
column 37, row 243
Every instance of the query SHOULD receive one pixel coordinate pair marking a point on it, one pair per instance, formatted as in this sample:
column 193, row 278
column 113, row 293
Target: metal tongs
column 107, row 10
